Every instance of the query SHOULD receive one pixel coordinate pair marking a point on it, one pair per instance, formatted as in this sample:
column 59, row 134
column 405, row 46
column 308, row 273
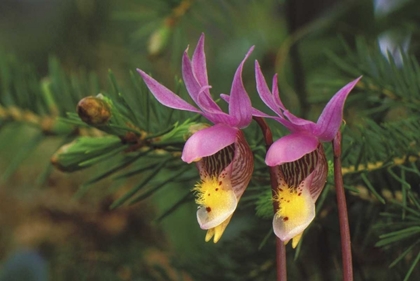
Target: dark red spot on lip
column 208, row 194
column 220, row 183
column 285, row 218
column 208, row 209
column 216, row 189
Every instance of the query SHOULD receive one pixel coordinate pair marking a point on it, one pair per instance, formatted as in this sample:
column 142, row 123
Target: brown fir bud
column 94, row 110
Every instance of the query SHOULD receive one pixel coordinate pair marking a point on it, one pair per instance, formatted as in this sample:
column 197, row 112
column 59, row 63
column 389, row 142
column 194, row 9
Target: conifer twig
column 280, row 247
column 48, row 124
column 342, row 211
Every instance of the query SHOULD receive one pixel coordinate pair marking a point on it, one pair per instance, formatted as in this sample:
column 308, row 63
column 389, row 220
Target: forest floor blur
column 81, row 238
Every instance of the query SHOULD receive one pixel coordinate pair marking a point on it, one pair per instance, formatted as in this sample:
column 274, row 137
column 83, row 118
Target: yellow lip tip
column 215, row 240
column 296, row 240
column 209, row 234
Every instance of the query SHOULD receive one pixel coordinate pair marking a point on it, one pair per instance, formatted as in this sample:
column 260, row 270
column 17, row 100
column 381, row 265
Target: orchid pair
column 224, row 158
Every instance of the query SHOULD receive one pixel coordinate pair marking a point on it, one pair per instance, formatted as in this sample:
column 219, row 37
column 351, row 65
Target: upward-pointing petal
column 264, row 91
column 199, row 62
column 240, row 104
column 194, row 88
column 254, row 111
column 276, row 93
column 164, row 95
column 331, row 117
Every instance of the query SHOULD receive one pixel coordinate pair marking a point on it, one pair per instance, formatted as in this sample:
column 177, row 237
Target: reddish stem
column 342, row 211
column 280, row 247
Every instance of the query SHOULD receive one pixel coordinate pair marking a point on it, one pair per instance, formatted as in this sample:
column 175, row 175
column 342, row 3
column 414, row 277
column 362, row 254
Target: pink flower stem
column 280, row 247
column 342, row 211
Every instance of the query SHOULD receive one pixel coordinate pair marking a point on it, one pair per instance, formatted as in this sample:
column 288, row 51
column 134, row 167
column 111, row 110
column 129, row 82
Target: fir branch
column 402, row 232
column 382, row 77
column 107, row 126
column 159, row 31
column 374, row 146
column 49, row 125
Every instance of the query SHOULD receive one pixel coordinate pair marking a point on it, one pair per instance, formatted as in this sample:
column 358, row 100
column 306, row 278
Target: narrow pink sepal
column 206, row 103
column 216, row 116
column 199, row 62
column 290, row 148
column 164, row 95
column 276, row 94
column 264, row 91
column 240, row 103
column 208, row 141
column 331, row 117
column 192, row 84
column 298, row 124
column 254, row 111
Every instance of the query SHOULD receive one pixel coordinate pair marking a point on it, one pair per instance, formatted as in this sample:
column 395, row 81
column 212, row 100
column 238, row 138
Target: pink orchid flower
column 299, row 158
column 222, row 155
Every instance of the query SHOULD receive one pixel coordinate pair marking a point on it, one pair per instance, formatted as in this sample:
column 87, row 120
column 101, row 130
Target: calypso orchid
column 299, row 158
column 222, row 155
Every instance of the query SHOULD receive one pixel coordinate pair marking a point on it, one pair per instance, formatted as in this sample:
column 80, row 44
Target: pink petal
column 215, row 116
column 276, row 94
column 264, row 91
column 299, row 124
column 257, row 113
column 225, row 97
column 194, row 87
column 272, row 100
column 199, row 62
column 286, row 123
column 164, row 95
column 208, row 141
column 240, row 104
column 331, row 117
column 254, row 111
column 290, row 148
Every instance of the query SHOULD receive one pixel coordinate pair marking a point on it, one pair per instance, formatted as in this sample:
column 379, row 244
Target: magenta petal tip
column 331, row 117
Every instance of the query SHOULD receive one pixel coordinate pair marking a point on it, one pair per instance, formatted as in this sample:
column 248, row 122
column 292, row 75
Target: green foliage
column 385, row 138
column 264, row 205
column 402, row 231
column 390, row 85
column 86, row 151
